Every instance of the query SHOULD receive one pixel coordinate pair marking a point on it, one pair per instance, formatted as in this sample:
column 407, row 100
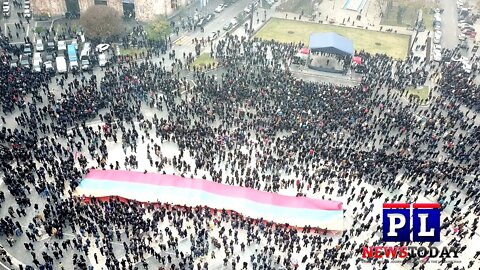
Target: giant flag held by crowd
column 176, row 190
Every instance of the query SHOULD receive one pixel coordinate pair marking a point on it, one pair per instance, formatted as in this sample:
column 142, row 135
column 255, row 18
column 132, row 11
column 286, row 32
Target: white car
column 437, row 56
column 6, row 8
column 459, row 58
column 247, row 10
column 39, row 47
column 464, row 25
column 102, row 47
column 212, row 36
column 220, row 8
column 49, row 66
column 462, row 37
column 75, row 43
column 62, row 45
column 436, row 40
column 27, row 13
column 467, row 67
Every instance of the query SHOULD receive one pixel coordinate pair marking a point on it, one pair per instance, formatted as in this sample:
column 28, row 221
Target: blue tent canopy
column 331, row 43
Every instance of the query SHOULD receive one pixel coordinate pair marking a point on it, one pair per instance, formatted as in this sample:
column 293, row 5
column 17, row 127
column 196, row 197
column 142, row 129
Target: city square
column 285, row 134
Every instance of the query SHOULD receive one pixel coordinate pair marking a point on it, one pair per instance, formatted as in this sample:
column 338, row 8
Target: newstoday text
column 403, row 254
column 370, row 261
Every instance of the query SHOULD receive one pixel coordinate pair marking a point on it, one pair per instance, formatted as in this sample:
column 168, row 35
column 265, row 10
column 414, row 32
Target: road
column 449, row 24
column 184, row 41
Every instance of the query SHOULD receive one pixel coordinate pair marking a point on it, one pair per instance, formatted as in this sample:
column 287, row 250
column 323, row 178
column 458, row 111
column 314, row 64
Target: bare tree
column 101, row 22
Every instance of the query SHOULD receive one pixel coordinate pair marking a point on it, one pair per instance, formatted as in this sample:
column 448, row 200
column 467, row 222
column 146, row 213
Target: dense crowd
column 250, row 123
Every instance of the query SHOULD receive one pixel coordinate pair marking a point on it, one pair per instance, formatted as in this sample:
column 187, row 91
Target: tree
column 158, row 29
column 101, row 22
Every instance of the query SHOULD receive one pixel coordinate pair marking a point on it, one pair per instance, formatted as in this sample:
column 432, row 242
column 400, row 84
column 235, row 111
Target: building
column 142, row 10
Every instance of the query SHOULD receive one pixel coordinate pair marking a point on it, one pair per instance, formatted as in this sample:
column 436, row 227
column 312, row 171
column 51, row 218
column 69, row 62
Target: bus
column 72, row 57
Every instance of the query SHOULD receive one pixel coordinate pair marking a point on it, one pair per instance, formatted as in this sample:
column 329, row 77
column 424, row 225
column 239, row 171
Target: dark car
column 51, row 45
column 25, row 61
column 14, row 62
column 49, row 57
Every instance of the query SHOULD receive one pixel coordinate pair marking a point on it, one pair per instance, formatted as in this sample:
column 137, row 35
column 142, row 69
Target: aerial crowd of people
column 248, row 123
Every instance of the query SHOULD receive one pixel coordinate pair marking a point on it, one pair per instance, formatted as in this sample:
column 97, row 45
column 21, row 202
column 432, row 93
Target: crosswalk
column 184, row 40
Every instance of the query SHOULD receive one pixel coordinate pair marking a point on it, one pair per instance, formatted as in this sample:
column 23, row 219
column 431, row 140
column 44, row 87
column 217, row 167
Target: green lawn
column 421, row 92
column 297, row 6
column 400, row 15
column 428, row 19
column 203, row 60
column 282, row 30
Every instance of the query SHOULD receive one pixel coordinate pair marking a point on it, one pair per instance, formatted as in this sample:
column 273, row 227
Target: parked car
column 462, row 37
column 210, row 17
column 467, row 67
column 102, row 47
column 247, row 10
column 220, row 8
column 463, row 25
column 459, row 4
column 39, row 45
column 227, row 26
column 61, row 64
column 27, row 49
column 27, row 13
column 61, row 45
column 437, row 37
column 50, row 44
column 37, row 65
column 75, row 43
column 14, row 62
column 212, row 36
column 49, row 57
column 469, row 32
column 6, row 9
column 437, row 56
column 25, row 61
column 201, row 22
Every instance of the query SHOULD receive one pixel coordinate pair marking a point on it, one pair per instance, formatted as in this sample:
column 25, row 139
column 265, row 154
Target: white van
column 62, row 45
column 61, row 64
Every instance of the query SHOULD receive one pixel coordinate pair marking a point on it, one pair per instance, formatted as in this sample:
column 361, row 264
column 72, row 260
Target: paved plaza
column 257, row 121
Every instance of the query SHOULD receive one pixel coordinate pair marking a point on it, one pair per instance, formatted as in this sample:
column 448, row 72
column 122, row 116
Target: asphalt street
column 449, row 24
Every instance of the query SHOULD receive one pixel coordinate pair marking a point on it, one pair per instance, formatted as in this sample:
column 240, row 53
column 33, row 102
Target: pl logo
column 421, row 221
column 424, row 220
